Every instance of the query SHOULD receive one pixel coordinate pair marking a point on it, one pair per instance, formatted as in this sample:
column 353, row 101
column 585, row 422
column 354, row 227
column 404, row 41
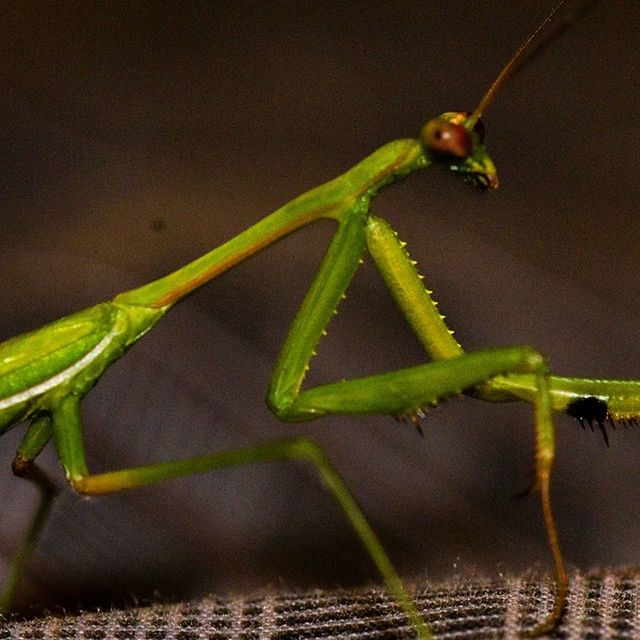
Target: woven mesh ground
column 606, row 605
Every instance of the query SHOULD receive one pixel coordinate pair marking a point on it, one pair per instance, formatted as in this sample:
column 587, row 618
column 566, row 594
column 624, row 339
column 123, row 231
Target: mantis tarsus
column 386, row 408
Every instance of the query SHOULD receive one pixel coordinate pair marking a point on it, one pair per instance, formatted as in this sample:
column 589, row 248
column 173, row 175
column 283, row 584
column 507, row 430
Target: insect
column 45, row 373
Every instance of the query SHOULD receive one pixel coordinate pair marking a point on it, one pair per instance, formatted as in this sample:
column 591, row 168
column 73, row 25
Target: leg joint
column 534, row 361
column 305, row 448
column 79, row 484
column 279, row 405
column 21, row 467
column 283, row 406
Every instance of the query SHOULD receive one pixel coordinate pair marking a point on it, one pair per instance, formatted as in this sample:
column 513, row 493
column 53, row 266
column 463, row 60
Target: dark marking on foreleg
column 591, row 410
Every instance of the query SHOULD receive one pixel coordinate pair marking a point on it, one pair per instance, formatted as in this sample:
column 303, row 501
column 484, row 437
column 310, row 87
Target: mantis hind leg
column 37, row 436
column 68, row 439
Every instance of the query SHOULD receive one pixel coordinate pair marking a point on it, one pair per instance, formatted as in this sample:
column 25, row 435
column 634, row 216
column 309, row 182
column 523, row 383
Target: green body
column 66, row 357
column 45, row 373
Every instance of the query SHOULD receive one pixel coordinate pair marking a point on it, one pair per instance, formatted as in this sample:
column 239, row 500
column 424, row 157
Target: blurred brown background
column 136, row 136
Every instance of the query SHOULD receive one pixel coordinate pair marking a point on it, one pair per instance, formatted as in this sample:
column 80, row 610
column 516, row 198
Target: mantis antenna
column 451, row 135
column 509, row 69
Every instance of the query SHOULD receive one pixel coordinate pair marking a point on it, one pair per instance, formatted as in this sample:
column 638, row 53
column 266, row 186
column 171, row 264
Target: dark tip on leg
column 590, row 410
column 603, row 431
column 21, row 467
column 412, row 417
column 415, row 418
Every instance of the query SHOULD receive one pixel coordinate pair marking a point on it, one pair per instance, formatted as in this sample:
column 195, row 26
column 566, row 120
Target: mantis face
column 455, row 142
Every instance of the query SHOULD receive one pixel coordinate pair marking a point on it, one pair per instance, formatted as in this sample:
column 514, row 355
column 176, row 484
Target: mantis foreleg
column 404, row 392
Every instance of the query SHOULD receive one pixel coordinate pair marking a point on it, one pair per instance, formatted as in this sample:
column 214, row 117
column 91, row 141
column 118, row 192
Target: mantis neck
column 335, row 199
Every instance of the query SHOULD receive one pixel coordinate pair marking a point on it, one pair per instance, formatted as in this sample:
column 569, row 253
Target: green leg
column 415, row 302
column 405, row 392
column 68, row 438
column 545, row 452
column 405, row 285
column 37, row 436
column 343, row 257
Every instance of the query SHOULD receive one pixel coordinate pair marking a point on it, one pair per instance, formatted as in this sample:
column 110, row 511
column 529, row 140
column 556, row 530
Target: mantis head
column 455, row 141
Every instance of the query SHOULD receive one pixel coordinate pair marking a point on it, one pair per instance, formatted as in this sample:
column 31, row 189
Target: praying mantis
column 412, row 243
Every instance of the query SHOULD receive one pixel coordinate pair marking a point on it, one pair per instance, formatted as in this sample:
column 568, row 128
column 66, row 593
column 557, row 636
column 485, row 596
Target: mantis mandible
column 45, row 373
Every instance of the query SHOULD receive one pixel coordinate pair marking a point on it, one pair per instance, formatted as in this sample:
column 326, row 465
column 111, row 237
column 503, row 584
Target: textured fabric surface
column 606, row 605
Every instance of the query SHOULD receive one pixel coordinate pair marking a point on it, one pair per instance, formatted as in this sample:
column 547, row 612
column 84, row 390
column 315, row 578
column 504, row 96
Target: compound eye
column 447, row 138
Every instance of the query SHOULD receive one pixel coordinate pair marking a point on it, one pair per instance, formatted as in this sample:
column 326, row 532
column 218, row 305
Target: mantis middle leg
column 69, row 442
